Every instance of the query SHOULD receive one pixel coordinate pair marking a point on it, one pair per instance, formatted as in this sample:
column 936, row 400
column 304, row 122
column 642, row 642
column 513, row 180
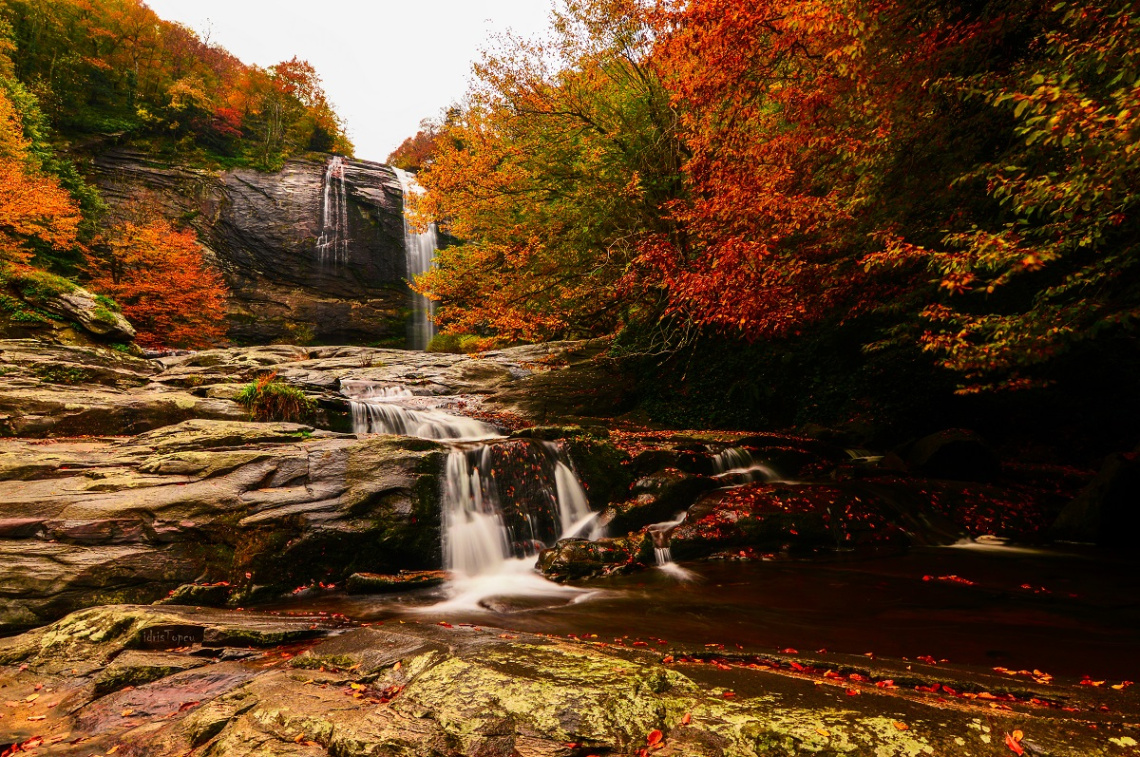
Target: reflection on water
column 1063, row 613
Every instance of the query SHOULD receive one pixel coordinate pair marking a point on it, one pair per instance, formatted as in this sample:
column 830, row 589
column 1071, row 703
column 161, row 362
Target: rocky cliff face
column 263, row 231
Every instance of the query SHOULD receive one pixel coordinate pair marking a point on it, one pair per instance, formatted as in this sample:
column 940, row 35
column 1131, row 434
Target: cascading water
column 378, row 409
column 419, row 250
column 662, row 552
column 741, row 466
column 504, row 500
column 332, row 245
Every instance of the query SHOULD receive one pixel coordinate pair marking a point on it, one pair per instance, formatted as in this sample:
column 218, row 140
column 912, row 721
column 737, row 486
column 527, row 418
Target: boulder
column 248, row 684
column 659, row 497
column 955, row 454
column 1107, row 510
column 574, row 559
column 81, row 306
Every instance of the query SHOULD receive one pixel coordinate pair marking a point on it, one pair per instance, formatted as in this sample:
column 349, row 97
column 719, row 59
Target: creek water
column 976, row 604
column 1080, row 616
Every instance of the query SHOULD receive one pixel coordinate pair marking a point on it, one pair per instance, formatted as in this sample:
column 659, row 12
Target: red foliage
column 160, row 278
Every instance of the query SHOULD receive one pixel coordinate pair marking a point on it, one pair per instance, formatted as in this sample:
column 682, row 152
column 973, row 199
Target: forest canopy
column 960, row 175
column 78, row 76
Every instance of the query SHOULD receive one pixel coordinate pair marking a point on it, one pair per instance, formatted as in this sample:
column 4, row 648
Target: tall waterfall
column 419, row 250
column 332, row 245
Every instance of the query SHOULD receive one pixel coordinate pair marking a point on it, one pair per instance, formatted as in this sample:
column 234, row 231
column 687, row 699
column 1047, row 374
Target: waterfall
column 419, row 250
column 741, row 466
column 332, row 245
column 577, row 520
column 508, row 499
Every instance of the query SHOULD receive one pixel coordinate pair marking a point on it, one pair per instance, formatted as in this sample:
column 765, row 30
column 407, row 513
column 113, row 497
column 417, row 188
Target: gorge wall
column 263, row 231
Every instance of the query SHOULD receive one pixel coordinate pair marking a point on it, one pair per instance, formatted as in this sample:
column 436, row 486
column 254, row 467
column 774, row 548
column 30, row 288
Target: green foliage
column 459, row 344
column 58, row 375
column 270, row 399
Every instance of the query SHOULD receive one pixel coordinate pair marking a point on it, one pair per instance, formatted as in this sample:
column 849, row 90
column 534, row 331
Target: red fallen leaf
column 888, row 684
column 852, row 693
column 789, row 650
column 655, row 737
column 445, row 624
column 188, row 705
column 1013, row 745
column 687, row 719
column 729, row 694
column 668, row 659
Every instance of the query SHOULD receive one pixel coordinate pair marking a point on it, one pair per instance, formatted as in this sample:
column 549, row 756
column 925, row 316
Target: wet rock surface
column 260, row 684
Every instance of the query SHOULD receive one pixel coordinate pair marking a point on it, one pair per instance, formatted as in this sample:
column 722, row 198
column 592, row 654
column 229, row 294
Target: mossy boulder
column 575, row 559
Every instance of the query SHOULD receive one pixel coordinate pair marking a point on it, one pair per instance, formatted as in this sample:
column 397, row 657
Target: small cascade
column 419, row 250
column 332, row 245
column 507, row 500
column 379, row 409
column 576, row 517
column 740, row 466
column 662, row 552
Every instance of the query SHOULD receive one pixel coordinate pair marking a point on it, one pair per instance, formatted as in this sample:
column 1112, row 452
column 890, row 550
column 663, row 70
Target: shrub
column 460, row 344
column 271, row 399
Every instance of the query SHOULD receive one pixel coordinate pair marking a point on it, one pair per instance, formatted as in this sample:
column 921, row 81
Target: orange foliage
column 159, row 277
column 35, row 211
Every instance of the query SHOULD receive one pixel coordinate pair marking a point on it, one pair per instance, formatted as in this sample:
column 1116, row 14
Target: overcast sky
column 386, row 64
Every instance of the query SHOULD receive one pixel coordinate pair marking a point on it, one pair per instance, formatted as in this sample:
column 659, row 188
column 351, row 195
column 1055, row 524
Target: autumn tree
column 114, row 67
column 549, row 172
column 161, row 280
column 37, row 215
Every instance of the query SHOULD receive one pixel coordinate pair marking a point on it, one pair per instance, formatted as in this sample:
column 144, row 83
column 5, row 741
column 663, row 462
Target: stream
column 1069, row 612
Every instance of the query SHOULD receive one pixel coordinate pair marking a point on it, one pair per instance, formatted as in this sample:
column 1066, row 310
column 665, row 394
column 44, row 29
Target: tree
column 36, row 213
column 160, row 279
column 550, row 171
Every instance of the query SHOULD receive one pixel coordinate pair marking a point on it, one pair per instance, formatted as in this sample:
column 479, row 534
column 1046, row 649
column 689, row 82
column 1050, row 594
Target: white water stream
column 419, row 251
column 503, row 500
column 332, row 245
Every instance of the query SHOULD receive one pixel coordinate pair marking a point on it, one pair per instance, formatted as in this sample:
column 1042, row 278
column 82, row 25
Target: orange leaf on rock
column 655, row 737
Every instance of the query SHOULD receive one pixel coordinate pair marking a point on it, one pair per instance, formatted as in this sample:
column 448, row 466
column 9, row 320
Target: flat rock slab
column 263, row 508
column 374, row 583
column 311, row 686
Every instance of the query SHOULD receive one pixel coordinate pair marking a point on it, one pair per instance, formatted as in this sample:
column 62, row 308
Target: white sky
column 386, row 64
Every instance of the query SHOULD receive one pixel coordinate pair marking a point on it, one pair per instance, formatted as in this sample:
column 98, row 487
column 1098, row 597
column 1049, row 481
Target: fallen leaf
column 300, row 738
column 655, row 737
column 1013, row 745
column 822, row 732
column 901, row 726
column 114, row 749
column 127, row 713
column 687, row 719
